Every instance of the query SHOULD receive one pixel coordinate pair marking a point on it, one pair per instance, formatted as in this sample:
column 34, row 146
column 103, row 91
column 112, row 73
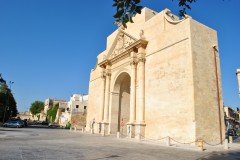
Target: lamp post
column 10, row 84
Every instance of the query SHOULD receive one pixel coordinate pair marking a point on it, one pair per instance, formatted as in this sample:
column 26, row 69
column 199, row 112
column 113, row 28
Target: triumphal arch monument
column 159, row 77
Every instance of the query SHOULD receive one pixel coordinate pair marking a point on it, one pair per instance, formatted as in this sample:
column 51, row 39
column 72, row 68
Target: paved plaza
column 61, row 144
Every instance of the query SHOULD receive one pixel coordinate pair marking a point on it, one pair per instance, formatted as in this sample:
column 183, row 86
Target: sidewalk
column 206, row 148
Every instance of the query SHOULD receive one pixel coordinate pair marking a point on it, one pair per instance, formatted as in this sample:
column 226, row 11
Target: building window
column 85, row 107
column 77, row 106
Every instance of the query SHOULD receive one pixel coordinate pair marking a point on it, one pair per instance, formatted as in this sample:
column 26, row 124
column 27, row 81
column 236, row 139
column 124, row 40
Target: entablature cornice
column 141, row 43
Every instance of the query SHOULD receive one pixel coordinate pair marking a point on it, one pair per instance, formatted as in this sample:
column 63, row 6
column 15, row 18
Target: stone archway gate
column 132, row 51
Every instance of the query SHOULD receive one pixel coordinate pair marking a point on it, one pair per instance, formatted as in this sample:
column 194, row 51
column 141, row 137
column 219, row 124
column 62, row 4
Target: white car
column 53, row 124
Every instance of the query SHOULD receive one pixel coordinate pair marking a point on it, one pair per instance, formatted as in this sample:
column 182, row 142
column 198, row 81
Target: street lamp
column 10, row 84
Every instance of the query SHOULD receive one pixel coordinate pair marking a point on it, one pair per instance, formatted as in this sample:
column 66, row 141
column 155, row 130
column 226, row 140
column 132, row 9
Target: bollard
column 230, row 139
column 82, row 130
column 226, row 144
column 200, row 144
column 75, row 129
column 118, row 135
column 168, row 141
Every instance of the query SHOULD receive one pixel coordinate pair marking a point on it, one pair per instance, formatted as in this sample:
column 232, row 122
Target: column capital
column 108, row 73
column 141, row 59
column 141, row 55
column 133, row 58
column 133, row 62
column 103, row 75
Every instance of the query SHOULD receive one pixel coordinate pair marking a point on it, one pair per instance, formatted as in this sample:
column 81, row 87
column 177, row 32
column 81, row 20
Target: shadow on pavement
column 230, row 155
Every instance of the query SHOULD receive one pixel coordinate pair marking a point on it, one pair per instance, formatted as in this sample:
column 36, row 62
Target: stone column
column 140, row 125
column 106, row 101
column 133, row 63
column 141, row 84
column 132, row 120
column 101, row 115
column 103, row 95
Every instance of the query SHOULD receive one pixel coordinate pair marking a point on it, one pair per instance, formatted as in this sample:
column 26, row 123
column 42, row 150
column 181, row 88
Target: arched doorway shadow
column 120, row 108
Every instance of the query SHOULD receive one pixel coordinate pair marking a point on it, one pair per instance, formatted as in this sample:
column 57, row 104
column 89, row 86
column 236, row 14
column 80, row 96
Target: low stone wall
column 78, row 120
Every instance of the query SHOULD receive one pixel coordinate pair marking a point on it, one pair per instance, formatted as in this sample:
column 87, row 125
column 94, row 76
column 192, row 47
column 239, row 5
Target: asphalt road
column 59, row 144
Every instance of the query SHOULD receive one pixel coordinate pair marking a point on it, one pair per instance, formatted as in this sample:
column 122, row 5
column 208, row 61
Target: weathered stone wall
column 205, row 83
column 94, row 98
column 169, row 84
column 180, row 90
column 78, row 120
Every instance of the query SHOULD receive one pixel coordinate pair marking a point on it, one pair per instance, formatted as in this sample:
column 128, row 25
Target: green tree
column 8, row 105
column 36, row 107
column 126, row 9
column 52, row 112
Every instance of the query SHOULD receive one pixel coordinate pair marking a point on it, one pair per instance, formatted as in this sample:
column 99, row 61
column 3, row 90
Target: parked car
column 13, row 123
column 53, row 125
column 45, row 123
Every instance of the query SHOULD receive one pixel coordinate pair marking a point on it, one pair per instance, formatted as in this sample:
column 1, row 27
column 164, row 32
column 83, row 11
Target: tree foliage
column 36, row 107
column 52, row 112
column 126, row 9
column 8, row 105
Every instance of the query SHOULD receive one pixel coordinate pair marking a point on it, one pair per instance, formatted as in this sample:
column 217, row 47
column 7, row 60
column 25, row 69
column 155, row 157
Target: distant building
column 25, row 115
column 231, row 117
column 73, row 111
column 50, row 102
column 78, row 103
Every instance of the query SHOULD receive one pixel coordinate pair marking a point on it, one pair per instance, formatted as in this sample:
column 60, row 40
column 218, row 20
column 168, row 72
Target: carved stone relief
column 123, row 41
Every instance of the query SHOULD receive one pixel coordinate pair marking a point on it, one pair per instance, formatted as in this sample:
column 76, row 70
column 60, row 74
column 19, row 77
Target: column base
column 92, row 131
column 140, row 131
column 130, row 130
column 104, row 128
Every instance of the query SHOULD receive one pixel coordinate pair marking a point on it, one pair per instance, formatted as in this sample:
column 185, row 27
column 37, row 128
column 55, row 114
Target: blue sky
column 48, row 47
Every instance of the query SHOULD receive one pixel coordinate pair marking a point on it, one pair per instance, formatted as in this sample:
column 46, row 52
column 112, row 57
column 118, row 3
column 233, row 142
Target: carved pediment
column 121, row 47
column 120, row 44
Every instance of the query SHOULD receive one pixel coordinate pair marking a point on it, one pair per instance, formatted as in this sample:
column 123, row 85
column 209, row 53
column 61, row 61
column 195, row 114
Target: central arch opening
column 120, row 111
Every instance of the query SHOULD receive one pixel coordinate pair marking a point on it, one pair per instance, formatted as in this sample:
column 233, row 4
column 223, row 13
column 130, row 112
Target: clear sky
column 48, row 47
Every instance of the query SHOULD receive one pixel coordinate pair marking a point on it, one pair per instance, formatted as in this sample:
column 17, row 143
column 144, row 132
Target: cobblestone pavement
column 60, row 144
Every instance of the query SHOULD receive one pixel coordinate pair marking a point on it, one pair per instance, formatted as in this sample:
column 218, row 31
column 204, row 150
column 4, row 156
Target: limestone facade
column 159, row 77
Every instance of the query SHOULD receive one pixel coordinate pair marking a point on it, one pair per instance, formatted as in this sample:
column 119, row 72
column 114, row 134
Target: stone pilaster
column 140, row 124
column 103, row 77
column 141, row 85
column 105, row 127
column 132, row 120
column 133, row 63
column 106, row 101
